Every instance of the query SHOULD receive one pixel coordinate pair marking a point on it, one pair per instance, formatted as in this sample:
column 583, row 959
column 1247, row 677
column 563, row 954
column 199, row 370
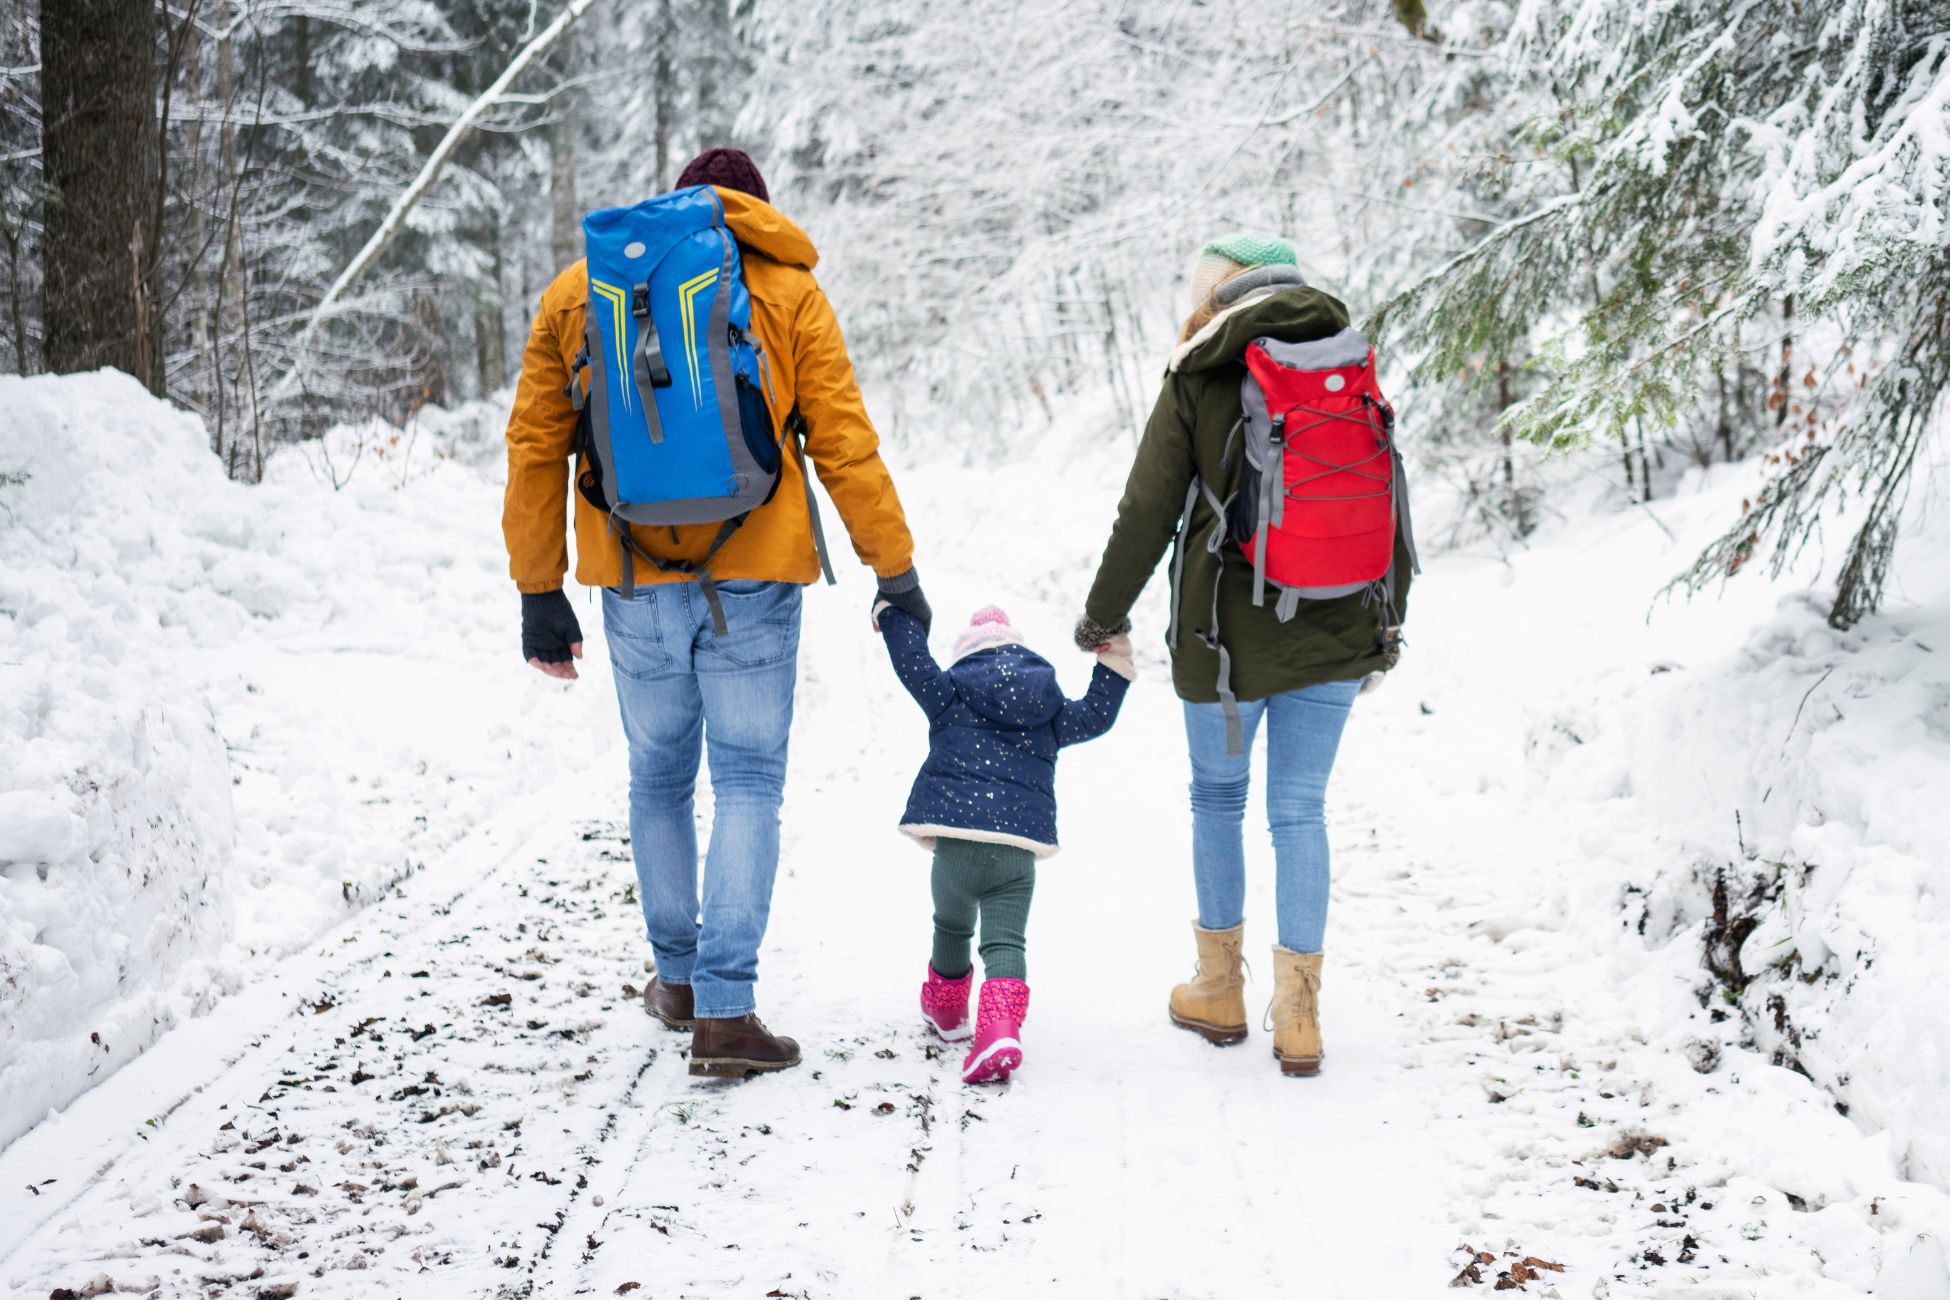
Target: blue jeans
column 1303, row 732
column 684, row 690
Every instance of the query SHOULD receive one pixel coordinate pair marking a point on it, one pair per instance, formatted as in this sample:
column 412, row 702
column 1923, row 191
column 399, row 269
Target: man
column 683, row 687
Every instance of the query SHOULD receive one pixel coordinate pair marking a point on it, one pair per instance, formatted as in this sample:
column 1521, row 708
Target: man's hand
column 551, row 639
column 903, row 592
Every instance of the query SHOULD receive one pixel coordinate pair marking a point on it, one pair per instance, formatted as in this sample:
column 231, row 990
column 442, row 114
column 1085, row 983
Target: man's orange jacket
column 808, row 367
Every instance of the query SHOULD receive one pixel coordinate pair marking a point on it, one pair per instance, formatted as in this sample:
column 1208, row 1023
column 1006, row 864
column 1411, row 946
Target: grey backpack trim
column 1345, row 348
column 647, row 358
column 752, row 485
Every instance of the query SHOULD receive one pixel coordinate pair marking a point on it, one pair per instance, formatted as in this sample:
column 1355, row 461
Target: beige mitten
column 1116, row 656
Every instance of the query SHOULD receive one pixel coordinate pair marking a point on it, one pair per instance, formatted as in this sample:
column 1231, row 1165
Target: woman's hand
column 1092, row 636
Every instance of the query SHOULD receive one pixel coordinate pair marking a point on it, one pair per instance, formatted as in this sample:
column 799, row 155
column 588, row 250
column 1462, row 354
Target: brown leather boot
column 737, row 1046
column 1296, row 1011
column 670, row 1003
column 1213, row 1004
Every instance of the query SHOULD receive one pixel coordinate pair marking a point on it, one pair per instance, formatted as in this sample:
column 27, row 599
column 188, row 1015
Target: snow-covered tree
column 1740, row 187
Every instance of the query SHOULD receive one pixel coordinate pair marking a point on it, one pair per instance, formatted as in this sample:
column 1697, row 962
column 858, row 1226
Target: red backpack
column 1322, row 492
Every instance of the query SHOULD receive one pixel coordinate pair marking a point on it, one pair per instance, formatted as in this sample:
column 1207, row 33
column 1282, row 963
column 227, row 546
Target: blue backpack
column 675, row 427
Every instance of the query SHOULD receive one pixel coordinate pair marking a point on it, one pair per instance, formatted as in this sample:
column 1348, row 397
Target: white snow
column 229, row 715
column 452, row 1093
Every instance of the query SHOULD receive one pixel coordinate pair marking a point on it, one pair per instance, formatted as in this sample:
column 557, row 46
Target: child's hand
column 1115, row 654
column 873, row 619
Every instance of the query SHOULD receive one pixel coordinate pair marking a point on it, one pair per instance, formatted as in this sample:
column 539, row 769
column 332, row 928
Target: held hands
column 551, row 639
column 1115, row 654
column 1111, row 645
column 1093, row 636
column 902, row 592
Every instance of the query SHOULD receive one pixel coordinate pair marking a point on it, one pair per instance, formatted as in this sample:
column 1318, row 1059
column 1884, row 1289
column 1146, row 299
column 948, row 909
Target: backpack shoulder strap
column 795, row 432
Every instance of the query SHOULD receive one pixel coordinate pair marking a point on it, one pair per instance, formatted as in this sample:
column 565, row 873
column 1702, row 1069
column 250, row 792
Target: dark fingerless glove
column 1091, row 634
column 548, row 627
column 1391, row 646
column 903, row 592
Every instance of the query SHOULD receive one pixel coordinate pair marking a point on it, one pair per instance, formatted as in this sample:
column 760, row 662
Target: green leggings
column 993, row 882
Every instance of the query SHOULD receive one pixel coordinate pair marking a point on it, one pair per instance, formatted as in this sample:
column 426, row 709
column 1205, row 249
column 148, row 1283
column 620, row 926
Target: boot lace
column 1302, row 1001
column 1234, row 953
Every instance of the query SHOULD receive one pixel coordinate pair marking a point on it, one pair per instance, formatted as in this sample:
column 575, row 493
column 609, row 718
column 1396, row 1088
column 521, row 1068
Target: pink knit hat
column 988, row 629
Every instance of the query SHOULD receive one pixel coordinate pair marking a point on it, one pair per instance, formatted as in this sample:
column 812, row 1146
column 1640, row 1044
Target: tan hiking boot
column 1213, row 1004
column 1296, row 1011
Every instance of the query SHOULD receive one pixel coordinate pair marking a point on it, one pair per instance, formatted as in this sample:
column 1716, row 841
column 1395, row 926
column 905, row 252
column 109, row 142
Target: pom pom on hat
column 987, row 629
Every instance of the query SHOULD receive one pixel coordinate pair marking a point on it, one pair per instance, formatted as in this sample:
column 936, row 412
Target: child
column 985, row 802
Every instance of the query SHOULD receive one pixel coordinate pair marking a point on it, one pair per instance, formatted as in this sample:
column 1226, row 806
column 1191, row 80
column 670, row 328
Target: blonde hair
column 1203, row 313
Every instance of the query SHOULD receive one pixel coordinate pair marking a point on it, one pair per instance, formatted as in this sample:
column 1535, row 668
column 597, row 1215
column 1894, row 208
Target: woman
column 1297, row 675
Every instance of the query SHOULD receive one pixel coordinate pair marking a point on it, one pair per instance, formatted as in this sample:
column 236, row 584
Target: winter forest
column 323, row 964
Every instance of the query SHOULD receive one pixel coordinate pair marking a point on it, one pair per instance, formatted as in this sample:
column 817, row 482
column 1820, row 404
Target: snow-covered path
column 455, row 1094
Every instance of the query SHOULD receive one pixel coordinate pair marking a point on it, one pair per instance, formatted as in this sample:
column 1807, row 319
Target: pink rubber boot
column 997, row 1052
column 944, row 1004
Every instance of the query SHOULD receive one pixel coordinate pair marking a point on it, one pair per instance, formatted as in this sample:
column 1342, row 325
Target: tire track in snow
column 429, row 1106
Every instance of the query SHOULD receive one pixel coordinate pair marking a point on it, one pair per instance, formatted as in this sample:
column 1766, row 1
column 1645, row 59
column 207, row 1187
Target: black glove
column 548, row 627
column 1092, row 635
column 904, row 593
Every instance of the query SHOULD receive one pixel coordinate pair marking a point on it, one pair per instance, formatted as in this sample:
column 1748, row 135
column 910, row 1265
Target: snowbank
column 228, row 715
column 1734, row 790
column 1805, row 783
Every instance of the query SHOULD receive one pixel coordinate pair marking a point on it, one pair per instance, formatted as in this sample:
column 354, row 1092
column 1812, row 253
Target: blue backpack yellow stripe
column 677, row 427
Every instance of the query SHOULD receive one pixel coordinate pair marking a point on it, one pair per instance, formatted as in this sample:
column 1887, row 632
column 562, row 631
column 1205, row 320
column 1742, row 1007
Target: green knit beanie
column 1221, row 258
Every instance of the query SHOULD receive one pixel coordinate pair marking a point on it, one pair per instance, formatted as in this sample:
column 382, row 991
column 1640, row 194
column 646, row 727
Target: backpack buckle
column 640, row 301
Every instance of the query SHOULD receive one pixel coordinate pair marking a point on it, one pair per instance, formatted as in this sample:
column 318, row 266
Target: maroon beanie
column 731, row 168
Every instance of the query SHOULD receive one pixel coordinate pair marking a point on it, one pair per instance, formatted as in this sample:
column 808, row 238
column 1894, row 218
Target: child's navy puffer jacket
column 996, row 721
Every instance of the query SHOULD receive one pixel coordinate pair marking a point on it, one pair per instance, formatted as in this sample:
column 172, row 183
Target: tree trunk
column 1784, row 384
column 1519, row 502
column 98, row 76
column 665, row 100
column 14, row 292
column 490, row 339
column 227, row 314
column 565, row 212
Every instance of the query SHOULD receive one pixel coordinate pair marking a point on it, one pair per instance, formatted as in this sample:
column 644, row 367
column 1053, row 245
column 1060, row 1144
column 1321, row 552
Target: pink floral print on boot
column 944, row 1004
column 997, row 1052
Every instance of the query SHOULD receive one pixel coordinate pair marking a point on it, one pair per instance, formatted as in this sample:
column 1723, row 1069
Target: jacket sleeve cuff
column 538, row 588
column 902, row 582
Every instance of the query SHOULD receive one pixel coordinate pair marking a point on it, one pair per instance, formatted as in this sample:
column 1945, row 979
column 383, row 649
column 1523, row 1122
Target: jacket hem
column 925, row 834
column 1205, row 692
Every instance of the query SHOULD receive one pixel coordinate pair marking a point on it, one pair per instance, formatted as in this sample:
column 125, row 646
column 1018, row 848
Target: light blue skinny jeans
column 685, row 691
column 1303, row 733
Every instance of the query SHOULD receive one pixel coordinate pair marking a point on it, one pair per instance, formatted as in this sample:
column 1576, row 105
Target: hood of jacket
column 1010, row 686
column 767, row 231
column 1293, row 314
